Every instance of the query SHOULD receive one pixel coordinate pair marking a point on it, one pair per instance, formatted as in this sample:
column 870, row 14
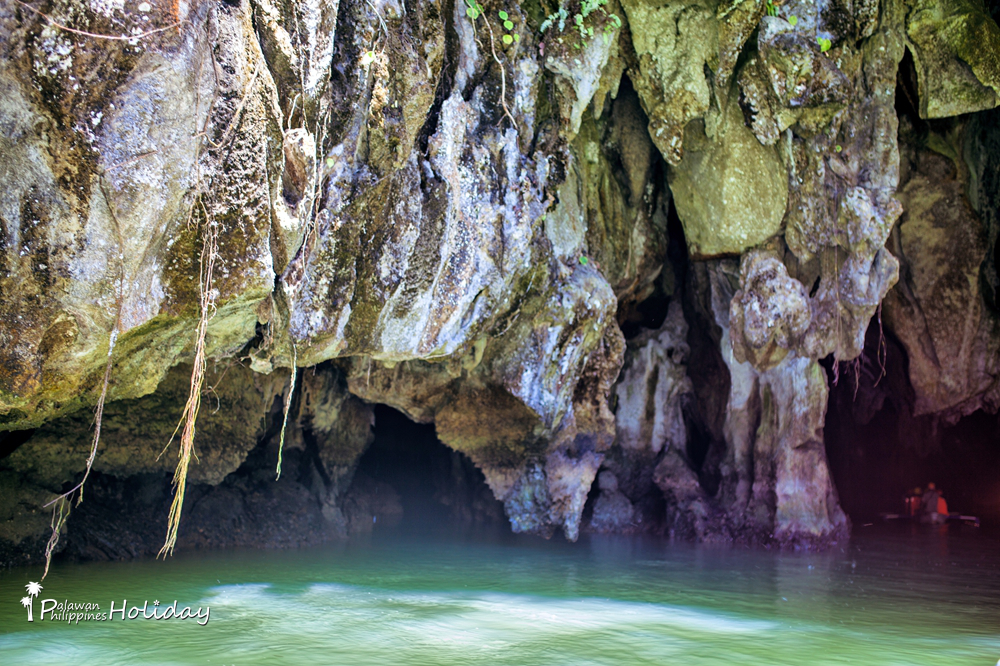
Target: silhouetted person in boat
column 942, row 507
column 931, row 503
column 929, row 500
column 913, row 503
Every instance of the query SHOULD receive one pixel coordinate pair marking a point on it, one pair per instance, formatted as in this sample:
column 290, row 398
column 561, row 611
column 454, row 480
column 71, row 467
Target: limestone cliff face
column 456, row 226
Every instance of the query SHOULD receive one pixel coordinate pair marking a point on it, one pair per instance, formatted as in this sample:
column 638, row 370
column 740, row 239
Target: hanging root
column 856, row 366
column 288, row 407
column 93, row 35
column 836, row 351
column 883, row 349
column 60, row 513
column 209, row 253
column 503, row 79
column 98, row 417
column 61, row 505
column 61, row 510
column 503, row 72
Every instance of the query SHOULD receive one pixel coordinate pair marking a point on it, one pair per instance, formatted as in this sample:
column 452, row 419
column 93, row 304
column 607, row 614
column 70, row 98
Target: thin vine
column 474, row 10
column 96, row 35
column 288, row 408
column 62, row 504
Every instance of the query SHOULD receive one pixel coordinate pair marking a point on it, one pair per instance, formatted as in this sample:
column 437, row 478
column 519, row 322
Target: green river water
column 895, row 595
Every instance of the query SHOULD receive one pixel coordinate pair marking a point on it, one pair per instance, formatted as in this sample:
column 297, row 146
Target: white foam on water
column 328, row 623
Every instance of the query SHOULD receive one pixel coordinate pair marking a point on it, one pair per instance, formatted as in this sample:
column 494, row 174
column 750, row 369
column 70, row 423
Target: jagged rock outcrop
column 746, row 201
column 537, row 431
column 818, row 87
column 650, row 397
column 773, row 437
column 394, row 201
column 672, row 44
column 614, row 210
column 652, row 386
column 613, row 511
column 832, row 101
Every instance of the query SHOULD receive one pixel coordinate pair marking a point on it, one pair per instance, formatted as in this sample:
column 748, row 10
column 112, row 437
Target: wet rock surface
column 405, row 205
column 939, row 313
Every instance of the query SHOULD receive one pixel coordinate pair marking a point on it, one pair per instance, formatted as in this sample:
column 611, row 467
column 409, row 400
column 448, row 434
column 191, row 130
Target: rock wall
column 417, row 205
column 939, row 312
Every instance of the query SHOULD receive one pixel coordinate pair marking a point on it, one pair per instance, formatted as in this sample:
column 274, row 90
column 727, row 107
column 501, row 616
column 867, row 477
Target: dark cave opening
column 10, row 440
column 878, row 451
column 409, row 479
column 707, row 369
column 648, row 313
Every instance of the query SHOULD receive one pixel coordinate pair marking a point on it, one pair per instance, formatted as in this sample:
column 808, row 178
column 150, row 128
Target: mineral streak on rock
column 410, row 211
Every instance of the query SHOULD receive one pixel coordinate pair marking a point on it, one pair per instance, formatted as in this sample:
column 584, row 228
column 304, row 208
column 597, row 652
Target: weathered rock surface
column 956, row 50
column 535, row 430
column 651, row 395
column 952, row 338
column 614, row 212
column 394, row 204
column 653, row 383
column 115, row 154
column 982, row 157
column 769, row 316
column 842, row 163
column 730, row 190
column 672, row 43
column 774, row 436
column 613, row 512
column 772, row 446
column 135, row 433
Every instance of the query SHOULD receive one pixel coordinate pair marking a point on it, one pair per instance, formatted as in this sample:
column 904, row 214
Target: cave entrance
column 876, row 463
column 408, row 479
column 879, row 452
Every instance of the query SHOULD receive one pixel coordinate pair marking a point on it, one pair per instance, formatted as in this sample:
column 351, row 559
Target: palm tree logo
column 33, row 590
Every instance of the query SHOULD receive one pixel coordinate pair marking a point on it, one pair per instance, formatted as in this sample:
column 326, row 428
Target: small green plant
column 509, row 37
column 793, row 20
column 838, row 148
column 474, row 10
column 560, row 15
column 587, row 7
column 824, row 44
column 770, row 8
